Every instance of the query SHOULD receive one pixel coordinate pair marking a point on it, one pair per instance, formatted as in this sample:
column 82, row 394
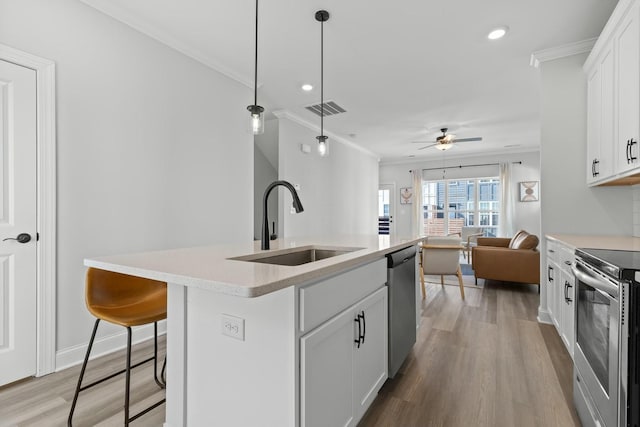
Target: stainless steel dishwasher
column 401, row 280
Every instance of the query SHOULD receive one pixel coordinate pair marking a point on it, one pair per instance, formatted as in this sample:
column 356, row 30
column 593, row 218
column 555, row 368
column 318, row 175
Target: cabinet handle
column 565, row 291
column 567, row 262
column 364, row 326
column 568, row 300
column 631, row 144
column 549, row 273
column 551, row 250
column 596, row 168
column 628, row 149
column 357, row 319
column 593, row 170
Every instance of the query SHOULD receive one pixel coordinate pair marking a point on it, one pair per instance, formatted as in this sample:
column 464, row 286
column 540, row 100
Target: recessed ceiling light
column 307, row 87
column 498, row 33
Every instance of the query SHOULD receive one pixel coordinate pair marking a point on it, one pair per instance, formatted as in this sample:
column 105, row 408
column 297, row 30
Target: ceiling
column 402, row 70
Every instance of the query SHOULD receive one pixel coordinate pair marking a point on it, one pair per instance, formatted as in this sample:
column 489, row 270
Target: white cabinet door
column 553, row 275
column 370, row 357
column 326, row 372
column 600, row 118
column 567, row 327
column 594, row 123
column 628, row 69
column 554, row 291
column 604, row 166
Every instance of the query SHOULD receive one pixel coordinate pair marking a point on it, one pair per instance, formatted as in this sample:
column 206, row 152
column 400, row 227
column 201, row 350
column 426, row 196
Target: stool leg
column 155, row 356
column 84, row 366
column 128, row 378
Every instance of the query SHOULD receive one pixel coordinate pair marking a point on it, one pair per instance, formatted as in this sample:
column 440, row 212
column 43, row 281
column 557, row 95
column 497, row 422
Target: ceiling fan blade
column 479, row 138
column 428, row 146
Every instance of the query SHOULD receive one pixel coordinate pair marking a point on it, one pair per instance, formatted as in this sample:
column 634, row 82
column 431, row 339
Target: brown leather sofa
column 508, row 260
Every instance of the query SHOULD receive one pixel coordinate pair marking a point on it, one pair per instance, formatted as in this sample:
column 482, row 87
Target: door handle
column 21, row 238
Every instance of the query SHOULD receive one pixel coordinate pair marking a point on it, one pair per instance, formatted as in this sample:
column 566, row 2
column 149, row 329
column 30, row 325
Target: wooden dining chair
column 441, row 256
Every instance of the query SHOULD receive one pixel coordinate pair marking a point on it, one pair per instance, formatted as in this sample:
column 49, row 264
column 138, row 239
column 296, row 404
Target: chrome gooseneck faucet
column 265, row 219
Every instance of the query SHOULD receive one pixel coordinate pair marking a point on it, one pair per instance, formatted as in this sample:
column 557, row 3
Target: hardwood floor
column 482, row 362
column 45, row 401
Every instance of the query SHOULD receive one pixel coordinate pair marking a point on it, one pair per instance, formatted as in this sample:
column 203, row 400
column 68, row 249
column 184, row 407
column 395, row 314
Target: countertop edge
column 258, row 290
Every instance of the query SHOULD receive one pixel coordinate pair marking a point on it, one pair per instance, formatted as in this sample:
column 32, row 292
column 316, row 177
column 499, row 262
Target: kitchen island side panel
column 250, row 382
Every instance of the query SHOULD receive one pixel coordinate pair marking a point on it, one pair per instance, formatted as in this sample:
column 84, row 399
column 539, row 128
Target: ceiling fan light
column 444, row 147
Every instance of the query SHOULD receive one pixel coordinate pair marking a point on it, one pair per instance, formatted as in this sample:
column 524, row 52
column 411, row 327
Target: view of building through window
column 451, row 204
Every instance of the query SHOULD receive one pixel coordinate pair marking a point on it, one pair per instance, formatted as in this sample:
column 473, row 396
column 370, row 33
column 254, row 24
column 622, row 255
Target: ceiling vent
column 330, row 109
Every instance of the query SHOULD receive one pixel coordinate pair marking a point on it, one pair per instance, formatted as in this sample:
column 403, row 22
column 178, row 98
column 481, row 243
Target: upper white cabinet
column 600, row 134
column 613, row 93
column 627, row 42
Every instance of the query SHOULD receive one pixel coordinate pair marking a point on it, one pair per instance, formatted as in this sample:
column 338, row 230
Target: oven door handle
column 600, row 284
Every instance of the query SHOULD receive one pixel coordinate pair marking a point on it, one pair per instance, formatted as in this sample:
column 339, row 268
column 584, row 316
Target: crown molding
column 285, row 114
column 156, row 33
column 558, row 52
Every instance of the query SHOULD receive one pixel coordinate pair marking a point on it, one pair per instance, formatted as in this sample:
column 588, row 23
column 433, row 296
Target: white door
column 17, row 216
column 386, row 208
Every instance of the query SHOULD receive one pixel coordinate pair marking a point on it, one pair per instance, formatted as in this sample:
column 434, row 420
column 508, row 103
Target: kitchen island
column 250, row 343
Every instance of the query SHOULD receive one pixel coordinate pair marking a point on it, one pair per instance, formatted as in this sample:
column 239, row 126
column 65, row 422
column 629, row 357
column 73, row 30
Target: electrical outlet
column 233, row 327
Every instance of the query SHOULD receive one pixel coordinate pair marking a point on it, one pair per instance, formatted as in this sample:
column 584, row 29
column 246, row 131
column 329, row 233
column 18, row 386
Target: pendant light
column 256, row 122
column 322, row 16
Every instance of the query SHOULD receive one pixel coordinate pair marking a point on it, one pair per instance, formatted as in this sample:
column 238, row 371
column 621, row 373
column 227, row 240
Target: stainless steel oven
column 606, row 356
column 597, row 341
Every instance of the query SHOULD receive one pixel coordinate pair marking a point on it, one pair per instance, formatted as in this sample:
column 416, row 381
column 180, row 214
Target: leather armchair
column 508, row 260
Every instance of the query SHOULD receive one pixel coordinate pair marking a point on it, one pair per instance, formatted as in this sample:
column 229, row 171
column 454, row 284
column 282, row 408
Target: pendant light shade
column 322, row 16
column 256, row 120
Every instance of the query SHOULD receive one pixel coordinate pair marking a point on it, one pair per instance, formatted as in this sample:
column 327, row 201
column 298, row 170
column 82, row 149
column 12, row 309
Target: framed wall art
column 406, row 195
column 529, row 191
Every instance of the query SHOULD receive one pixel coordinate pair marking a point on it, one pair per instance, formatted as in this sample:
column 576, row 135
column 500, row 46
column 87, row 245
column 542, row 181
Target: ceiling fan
column 446, row 140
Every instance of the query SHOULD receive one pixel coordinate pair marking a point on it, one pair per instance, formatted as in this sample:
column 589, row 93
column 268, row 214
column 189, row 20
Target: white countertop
column 208, row 267
column 623, row 243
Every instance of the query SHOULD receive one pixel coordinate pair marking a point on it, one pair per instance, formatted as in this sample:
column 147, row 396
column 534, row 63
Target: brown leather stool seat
column 126, row 301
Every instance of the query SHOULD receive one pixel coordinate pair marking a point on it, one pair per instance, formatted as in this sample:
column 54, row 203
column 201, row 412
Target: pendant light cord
column 255, row 74
column 321, row 78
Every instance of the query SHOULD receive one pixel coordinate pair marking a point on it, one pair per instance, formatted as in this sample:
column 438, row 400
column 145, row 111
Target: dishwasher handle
column 400, row 257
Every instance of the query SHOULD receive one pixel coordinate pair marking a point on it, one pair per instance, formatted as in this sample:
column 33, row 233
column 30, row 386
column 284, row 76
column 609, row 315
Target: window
column 451, row 204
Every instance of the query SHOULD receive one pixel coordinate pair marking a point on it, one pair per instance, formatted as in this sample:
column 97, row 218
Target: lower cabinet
column 561, row 291
column 343, row 364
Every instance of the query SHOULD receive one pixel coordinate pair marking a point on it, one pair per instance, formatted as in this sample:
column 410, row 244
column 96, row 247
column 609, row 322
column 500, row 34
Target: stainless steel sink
column 297, row 256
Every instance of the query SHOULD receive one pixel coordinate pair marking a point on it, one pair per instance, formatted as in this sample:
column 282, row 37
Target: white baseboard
column 72, row 356
column 544, row 316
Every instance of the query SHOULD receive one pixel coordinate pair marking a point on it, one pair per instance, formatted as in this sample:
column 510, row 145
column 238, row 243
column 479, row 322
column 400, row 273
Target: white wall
column 152, row 148
column 339, row 192
column 568, row 205
column 526, row 214
column 265, row 173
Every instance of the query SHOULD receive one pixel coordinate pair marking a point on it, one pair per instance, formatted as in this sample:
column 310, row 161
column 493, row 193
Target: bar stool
column 126, row 301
